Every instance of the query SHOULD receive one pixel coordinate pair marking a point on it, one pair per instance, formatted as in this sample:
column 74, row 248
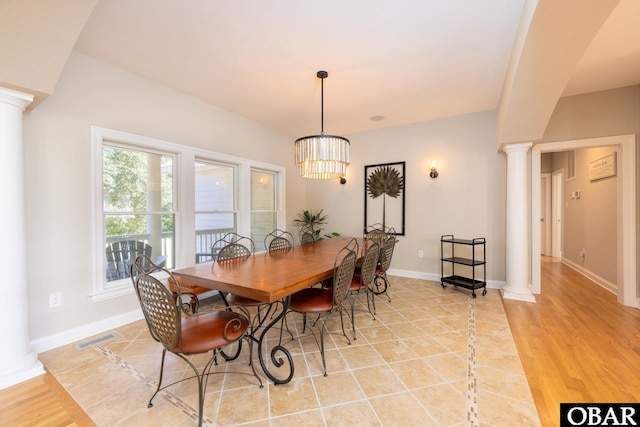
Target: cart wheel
column 474, row 295
column 484, row 292
column 443, row 285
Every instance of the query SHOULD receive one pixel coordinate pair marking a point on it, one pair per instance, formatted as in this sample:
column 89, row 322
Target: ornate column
column 17, row 360
column 517, row 260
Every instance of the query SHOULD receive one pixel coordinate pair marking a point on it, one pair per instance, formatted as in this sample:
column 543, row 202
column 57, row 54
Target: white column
column 17, row 361
column 517, row 262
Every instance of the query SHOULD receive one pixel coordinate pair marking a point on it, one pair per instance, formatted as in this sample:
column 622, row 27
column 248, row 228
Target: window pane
column 136, row 181
column 209, row 229
column 214, row 187
column 263, row 195
column 127, row 236
column 262, row 223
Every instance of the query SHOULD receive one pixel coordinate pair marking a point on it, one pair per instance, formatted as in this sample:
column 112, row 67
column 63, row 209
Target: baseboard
column 603, row 283
column 84, row 331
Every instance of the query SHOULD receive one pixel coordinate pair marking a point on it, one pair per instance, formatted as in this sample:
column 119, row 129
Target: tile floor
column 433, row 357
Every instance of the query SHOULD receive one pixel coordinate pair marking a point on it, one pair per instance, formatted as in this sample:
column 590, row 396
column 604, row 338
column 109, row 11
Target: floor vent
column 98, row 340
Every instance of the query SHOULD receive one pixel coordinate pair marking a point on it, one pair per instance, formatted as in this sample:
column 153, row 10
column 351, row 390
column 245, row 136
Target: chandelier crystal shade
column 322, row 156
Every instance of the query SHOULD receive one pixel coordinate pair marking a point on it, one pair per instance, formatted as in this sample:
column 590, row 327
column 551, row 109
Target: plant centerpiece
column 312, row 223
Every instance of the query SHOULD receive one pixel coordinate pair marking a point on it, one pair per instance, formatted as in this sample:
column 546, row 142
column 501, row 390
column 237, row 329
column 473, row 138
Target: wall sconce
column 343, row 180
column 434, row 173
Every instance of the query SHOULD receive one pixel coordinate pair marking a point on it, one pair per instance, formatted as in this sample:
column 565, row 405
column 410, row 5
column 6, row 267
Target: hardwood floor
column 576, row 343
column 40, row 401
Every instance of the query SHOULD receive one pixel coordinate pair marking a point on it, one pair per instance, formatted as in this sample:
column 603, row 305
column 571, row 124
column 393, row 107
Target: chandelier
column 322, row 156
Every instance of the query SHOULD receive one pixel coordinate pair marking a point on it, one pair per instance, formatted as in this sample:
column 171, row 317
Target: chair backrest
column 278, row 241
column 232, row 238
column 121, row 254
column 369, row 263
column 162, row 314
column 233, row 251
column 386, row 253
column 306, row 238
column 343, row 269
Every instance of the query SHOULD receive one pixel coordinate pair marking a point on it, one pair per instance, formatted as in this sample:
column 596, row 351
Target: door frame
column 626, row 231
column 545, row 217
column 557, row 218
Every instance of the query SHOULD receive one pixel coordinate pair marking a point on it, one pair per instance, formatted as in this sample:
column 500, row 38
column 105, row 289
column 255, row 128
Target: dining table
column 271, row 278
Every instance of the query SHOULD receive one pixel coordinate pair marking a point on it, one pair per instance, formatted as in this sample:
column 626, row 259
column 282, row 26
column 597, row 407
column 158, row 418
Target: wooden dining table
column 271, row 278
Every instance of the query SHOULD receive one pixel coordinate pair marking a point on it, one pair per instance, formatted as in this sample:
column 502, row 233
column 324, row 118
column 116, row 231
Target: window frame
column 183, row 198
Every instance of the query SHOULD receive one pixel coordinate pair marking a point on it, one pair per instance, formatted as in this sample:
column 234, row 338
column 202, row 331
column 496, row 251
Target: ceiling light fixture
column 322, row 156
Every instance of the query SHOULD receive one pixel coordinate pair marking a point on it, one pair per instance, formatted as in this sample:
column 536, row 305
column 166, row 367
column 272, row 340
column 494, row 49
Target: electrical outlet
column 55, row 300
column 420, row 253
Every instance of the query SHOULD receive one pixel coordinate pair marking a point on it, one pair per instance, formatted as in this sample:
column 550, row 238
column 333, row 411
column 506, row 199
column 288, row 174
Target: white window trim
column 184, row 232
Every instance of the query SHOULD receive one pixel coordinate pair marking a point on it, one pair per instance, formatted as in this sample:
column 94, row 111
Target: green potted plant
column 312, row 223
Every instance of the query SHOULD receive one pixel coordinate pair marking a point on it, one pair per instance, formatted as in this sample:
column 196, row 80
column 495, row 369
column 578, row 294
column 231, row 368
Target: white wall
column 58, row 178
column 467, row 199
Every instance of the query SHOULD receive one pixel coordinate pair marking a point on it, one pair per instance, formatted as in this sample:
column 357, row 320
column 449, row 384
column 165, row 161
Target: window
column 571, row 165
column 264, row 214
column 138, row 208
column 215, row 205
column 172, row 202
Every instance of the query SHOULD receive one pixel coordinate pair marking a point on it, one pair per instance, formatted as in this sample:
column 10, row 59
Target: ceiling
column 407, row 60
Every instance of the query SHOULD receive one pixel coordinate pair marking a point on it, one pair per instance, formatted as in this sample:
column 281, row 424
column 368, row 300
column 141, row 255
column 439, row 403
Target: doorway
column 626, row 251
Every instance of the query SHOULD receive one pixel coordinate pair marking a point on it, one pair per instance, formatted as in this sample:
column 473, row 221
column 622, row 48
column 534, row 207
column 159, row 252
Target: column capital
column 512, row 148
column 15, row 98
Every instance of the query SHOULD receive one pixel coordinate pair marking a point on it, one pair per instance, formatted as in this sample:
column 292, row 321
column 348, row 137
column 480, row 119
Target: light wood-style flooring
column 576, row 344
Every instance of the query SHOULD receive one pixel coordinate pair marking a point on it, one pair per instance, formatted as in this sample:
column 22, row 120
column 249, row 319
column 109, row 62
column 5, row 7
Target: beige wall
column 58, row 179
column 467, row 199
column 590, row 222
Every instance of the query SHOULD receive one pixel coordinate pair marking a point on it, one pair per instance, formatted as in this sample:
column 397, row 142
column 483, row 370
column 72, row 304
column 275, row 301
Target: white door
column 557, row 201
column 545, row 214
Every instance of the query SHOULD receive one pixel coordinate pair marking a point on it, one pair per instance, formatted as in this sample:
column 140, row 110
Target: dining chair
column 185, row 334
column 278, row 241
column 324, row 302
column 306, row 236
column 238, row 251
column 363, row 281
column 381, row 283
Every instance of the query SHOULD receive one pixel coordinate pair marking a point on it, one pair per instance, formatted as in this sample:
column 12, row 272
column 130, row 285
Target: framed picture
column 603, row 167
column 384, row 196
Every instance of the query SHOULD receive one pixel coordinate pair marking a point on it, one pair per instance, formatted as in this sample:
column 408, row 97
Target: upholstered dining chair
column 238, row 251
column 381, row 282
column 363, row 281
column 324, row 302
column 234, row 248
column 184, row 334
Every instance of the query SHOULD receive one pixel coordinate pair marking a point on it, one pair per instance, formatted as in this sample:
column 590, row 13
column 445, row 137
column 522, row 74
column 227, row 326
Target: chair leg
column 324, row 363
column 164, row 353
column 353, row 316
column 371, row 297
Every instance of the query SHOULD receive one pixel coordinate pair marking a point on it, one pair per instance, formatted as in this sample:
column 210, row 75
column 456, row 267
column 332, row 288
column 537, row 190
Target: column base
column 520, row 296
column 30, row 370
